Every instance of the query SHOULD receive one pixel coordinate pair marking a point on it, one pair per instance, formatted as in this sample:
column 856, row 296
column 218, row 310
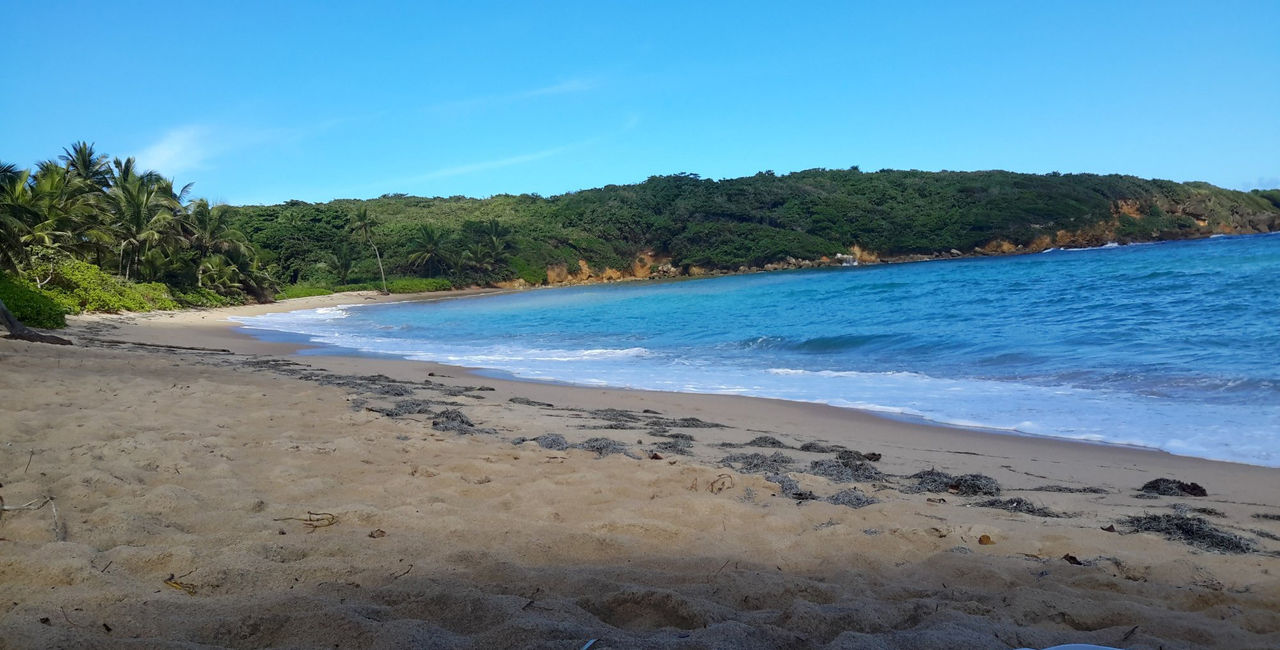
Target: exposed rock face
column 864, row 256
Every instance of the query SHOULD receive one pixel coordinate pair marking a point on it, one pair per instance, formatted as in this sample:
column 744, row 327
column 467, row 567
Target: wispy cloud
column 197, row 146
column 179, row 150
column 486, row 165
column 564, row 87
column 570, row 86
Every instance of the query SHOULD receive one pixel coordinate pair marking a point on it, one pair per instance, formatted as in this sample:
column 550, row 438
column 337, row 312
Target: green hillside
column 744, row 222
column 88, row 233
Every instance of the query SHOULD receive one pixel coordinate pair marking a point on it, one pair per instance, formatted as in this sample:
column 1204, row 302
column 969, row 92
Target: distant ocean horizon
column 1172, row 346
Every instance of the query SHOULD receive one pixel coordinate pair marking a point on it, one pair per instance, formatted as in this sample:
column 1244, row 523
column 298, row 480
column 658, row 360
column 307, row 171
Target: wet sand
column 202, row 463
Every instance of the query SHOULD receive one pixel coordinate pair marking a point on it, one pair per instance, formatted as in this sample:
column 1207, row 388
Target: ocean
column 1174, row 346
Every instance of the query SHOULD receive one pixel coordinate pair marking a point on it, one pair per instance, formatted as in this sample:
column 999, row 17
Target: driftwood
column 23, row 333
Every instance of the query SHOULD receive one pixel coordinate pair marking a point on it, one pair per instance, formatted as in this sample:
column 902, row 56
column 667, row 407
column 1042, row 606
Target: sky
column 262, row 102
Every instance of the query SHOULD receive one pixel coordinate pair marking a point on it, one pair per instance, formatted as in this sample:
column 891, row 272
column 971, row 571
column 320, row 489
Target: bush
column 199, row 297
column 526, row 271
column 363, row 286
column 301, row 291
column 30, row 305
column 80, row 286
column 418, row 285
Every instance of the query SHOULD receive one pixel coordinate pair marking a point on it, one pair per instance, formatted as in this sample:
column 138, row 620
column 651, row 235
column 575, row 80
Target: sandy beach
column 190, row 486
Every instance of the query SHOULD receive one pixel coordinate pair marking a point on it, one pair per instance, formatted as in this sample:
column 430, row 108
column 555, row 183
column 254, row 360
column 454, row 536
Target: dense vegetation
column 743, row 222
column 85, row 233
column 81, row 233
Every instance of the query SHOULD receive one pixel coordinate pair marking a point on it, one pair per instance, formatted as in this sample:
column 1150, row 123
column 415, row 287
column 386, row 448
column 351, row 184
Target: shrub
column 301, row 291
column 418, row 285
column 80, row 286
column 30, row 305
column 528, row 272
column 199, row 297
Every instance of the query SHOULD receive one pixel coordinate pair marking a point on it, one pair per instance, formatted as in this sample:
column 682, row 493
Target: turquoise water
column 1174, row 346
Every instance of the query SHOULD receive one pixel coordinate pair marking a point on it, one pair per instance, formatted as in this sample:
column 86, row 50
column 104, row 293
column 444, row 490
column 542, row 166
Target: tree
column 426, row 247
column 83, row 162
column 142, row 206
column 340, row 260
column 15, row 213
column 362, row 222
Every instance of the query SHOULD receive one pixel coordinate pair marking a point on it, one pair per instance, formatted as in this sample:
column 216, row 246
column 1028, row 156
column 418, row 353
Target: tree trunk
column 23, row 333
column 380, row 271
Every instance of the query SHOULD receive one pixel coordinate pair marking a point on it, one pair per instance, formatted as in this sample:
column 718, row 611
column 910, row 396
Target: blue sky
column 267, row 101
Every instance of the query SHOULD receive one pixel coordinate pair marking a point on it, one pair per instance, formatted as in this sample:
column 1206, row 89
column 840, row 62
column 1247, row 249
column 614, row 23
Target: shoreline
column 481, row 373
column 304, row 500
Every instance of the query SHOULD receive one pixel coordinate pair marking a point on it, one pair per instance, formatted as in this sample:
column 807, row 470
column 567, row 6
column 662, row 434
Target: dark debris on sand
column 1266, row 515
column 852, row 498
column 1195, row 531
column 661, row 433
column 819, row 448
column 604, row 447
column 848, row 456
column 775, row 463
column 455, row 421
column 931, row 480
column 404, row 407
column 1183, row 509
column 528, row 402
column 1018, row 504
column 681, row 446
column 768, row 442
column 1264, row 534
column 1173, row 488
column 552, row 441
column 1068, row 489
column 788, row 487
column 845, row 472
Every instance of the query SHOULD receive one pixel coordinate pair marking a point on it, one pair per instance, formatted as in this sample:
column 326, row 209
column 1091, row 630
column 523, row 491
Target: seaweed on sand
column 454, row 420
column 1018, row 504
column 552, row 441
column 931, row 480
column 848, row 456
column 766, row 441
column 975, row 484
column 1195, row 531
column 684, row 423
column 1173, row 488
column 1069, row 490
column 788, row 487
column 525, row 401
column 1183, row 509
column 845, row 472
column 603, row 446
column 775, row 463
column 852, row 498
column 682, row 446
column 405, row 407
column 819, row 448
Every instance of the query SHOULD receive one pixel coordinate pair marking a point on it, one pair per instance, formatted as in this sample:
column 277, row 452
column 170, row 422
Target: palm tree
column 341, row 259
column 426, row 247
column 64, row 216
column 363, row 223
column 84, row 163
column 208, row 231
column 16, row 213
column 142, row 207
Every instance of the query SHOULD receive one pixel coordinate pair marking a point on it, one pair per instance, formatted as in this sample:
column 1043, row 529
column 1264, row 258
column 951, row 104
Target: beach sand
column 185, row 478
